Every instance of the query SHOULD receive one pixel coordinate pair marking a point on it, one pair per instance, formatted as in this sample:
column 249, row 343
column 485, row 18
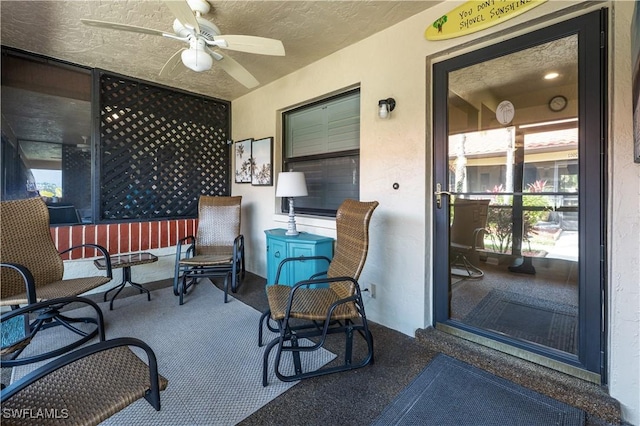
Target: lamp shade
column 291, row 184
column 383, row 112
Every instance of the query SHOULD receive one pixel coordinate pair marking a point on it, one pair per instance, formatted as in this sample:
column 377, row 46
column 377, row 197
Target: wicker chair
column 301, row 311
column 217, row 249
column 467, row 234
column 83, row 387
column 31, row 270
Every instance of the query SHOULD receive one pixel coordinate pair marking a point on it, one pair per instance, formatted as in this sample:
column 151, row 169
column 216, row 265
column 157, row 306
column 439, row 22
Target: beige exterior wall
column 624, row 224
column 394, row 63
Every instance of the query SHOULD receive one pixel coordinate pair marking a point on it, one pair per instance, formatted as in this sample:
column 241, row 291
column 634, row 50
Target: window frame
column 95, row 171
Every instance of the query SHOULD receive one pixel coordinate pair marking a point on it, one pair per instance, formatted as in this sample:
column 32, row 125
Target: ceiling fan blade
column 173, row 66
column 121, row 27
column 183, row 12
column 237, row 71
column 250, row 44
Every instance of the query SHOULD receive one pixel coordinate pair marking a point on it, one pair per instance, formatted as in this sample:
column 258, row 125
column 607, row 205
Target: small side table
column 126, row 261
column 281, row 246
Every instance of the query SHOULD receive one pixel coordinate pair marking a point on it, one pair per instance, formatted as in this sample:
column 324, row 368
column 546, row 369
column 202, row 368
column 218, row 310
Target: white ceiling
column 309, row 30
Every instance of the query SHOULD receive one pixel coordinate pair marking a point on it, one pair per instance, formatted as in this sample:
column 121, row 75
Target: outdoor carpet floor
column 206, row 349
column 450, row 392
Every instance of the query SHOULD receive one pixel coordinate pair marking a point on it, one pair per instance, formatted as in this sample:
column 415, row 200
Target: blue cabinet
column 281, row 246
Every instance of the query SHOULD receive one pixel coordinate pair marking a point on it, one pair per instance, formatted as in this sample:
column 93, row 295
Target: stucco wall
column 393, row 63
column 624, row 225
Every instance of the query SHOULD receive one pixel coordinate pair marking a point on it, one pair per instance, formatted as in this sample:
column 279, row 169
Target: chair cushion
column 92, row 389
column 207, row 260
column 64, row 288
column 309, row 303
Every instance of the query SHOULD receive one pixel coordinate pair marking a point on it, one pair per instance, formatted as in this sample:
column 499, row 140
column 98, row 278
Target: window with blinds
column 323, row 141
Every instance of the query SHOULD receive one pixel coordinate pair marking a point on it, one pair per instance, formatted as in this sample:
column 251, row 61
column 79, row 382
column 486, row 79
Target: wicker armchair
column 31, row 270
column 217, row 249
column 301, row 311
column 83, row 387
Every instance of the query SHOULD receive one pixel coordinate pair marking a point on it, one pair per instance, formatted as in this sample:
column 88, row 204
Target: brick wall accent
column 121, row 237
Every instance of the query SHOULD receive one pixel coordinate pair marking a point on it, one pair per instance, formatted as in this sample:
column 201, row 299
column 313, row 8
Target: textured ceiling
column 309, row 30
column 518, row 76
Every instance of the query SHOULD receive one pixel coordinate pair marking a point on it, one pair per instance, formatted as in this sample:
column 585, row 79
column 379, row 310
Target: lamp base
column 291, row 226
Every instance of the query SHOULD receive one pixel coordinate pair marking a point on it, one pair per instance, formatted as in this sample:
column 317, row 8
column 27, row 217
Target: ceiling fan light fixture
column 196, row 59
column 201, row 6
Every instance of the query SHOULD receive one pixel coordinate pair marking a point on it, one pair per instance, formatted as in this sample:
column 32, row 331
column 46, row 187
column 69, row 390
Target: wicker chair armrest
column 238, row 247
column 478, row 232
column 306, row 283
column 191, row 241
column 101, row 249
column 153, row 395
column 238, row 242
column 318, row 275
column 27, row 277
column 297, row 259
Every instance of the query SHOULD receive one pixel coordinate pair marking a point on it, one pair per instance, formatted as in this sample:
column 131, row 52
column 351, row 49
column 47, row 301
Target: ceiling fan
column 202, row 37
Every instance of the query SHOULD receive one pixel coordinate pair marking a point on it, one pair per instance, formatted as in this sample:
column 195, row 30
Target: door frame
column 592, row 94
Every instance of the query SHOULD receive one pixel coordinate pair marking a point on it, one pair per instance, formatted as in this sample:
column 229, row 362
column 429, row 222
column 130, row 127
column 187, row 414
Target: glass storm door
column 518, row 134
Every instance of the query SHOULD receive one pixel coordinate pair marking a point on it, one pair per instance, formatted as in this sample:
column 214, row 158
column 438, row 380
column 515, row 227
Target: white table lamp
column 291, row 184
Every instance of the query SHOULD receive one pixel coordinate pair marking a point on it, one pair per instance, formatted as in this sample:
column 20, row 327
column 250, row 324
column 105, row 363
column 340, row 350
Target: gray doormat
column 528, row 318
column 451, row 392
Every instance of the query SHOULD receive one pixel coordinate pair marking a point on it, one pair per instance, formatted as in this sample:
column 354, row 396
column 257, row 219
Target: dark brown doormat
column 451, row 392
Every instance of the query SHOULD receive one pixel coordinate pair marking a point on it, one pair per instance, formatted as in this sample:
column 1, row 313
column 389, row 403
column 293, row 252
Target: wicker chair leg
column 49, row 316
column 348, row 352
column 265, row 359
column 297, row 365
column 263, row 317
column 229, row 277
column 176, row 279
column 295, row 349
column 183, row 288
column 264, row 320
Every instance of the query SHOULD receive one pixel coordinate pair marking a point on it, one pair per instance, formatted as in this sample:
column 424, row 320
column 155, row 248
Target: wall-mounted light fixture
column 385, row 106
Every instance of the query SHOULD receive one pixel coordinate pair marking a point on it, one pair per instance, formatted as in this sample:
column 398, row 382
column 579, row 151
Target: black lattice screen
column 159, row 150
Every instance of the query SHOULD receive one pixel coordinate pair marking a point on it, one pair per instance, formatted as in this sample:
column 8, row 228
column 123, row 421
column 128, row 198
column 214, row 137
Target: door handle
column 439, row 192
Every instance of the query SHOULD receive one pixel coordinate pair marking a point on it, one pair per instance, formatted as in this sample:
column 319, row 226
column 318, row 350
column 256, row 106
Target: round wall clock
column 557, row 103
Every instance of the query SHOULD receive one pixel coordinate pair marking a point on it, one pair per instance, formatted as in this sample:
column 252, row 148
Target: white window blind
column 329, row 127
column 323, row 141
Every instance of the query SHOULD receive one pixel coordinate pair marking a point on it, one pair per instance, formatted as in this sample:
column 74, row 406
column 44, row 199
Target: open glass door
column 516, row 169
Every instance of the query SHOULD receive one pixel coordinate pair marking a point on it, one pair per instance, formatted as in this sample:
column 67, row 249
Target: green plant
column 499, row 220
column 532, row 217
column 500, row 215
